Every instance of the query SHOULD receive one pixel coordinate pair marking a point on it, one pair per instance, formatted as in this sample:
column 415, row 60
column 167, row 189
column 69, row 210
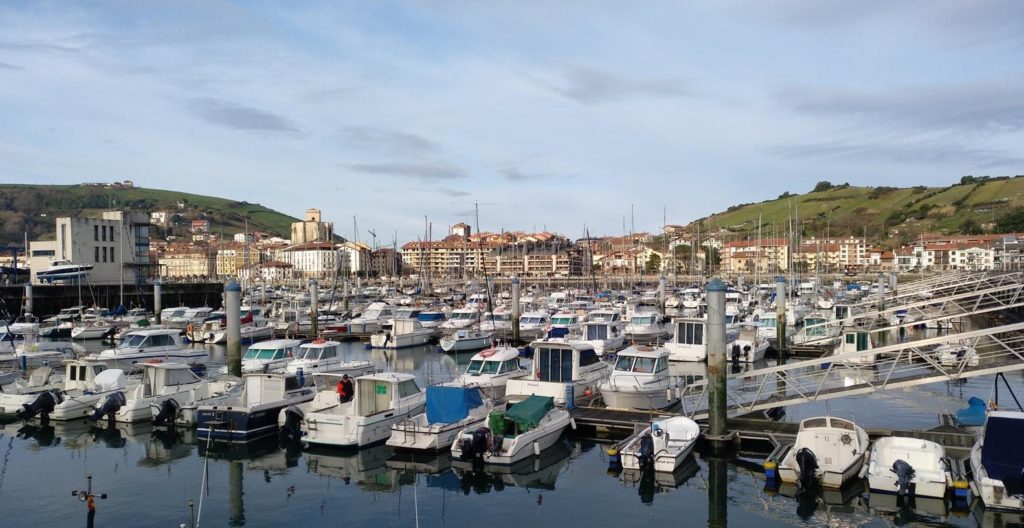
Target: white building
column 972, row 258
column 117, row 246
column 320, row 260
column 358, row 256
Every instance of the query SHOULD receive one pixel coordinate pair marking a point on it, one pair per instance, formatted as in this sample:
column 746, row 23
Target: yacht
column 516, row 430
column 662, row 446
column 640, row 380
column 401, row 333
column 149, row 345
column 908, row 466
column 325, row 356
column 997, row 462
column 270, row 356
column 829, row 451
column 491, row 369
column 64, row 270
column 381, row 400
column 251, row 413
column 560, row 368
column 449, row 409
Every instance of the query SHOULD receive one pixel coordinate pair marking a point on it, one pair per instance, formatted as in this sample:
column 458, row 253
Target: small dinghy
column 908, row 467
column 663, row 445
column 828, row 451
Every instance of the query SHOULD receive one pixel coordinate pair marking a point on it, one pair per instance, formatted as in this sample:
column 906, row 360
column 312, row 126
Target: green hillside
column 32, row 209
column 975, row 205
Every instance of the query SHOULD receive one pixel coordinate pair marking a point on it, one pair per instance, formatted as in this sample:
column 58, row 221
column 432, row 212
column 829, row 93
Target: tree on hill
column 1012, row 222
column 823, row 186
column 970, row 226
column 653, row 263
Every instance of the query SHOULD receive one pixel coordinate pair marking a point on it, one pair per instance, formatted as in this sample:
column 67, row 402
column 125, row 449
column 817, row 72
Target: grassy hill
column 883, row 212
column 33, row 208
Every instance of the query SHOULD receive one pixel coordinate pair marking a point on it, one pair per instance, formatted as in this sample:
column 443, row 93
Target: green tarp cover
column 528, row 413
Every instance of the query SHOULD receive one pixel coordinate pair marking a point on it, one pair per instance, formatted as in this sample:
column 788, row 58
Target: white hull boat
column 640, row 380
column 920, row 464
column 466, row 340
column 663, row 445
column 516, row 432
column 449, row 410
column 828, row 450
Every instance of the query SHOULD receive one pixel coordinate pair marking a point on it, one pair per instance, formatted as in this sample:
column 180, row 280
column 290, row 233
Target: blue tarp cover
column 1001, row 454
column 973, row 414
column 450, row 404
column 120, row 310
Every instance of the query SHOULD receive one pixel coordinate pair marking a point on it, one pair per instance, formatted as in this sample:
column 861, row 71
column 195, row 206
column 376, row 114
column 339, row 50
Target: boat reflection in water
column 845, row 500
column 80, row 434
column 263, row 453
column 429, row 464
column 539, row 472
column 648, row 483
column 925, row 510
column 367, row 467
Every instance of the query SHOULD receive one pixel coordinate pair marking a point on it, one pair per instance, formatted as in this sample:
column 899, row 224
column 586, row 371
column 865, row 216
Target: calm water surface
column 150, row 475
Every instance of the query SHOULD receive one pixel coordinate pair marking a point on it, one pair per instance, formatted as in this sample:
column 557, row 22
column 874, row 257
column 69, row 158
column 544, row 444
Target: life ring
column 487, row 353
column 154, row 361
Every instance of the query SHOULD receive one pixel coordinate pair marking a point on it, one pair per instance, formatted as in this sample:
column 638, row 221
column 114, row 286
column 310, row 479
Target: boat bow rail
column 997, row 349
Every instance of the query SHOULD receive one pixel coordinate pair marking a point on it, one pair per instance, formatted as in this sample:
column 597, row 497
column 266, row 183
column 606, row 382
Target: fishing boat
column 828, row 451
column 325, row 356
column 144, row 345
column 449, row 409
column 380, row 400
column 270, row 356
column 466, row 340
column 908, row 466
column 251, row 413
column 640, row 380
column 516, row 430
column 606, row 334
column 401, row 333
column 689, row 339
column 561, row 370
column 491, row 369
column 662, row 446
column 998, row 462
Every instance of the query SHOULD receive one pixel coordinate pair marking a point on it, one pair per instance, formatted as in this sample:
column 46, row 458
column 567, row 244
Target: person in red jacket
column 345, row 391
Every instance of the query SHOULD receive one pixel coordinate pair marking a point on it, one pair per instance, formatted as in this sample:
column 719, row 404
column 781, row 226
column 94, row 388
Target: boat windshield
column 463, row 316
column 624, row 364
column 478, row 366
column 132, row 341
column 644, row 365
column 262, row 353
column 531, row 320
column 642, row 319
column 562, row 320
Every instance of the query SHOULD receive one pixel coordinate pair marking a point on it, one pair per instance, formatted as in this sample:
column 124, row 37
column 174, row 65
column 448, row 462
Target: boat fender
column 536, row 448
column 808, row 464
column 111, row 404
column 168, row 412
column 904, row 473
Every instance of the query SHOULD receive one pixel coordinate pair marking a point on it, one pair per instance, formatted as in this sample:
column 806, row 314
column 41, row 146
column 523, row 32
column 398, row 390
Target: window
column 96, row 254
column 96, row 233
column 851, row 339
column 644, row 365
column 691, row 333
column 330, row 352
column 555, row 365
column 624, row 363
column 588, row 357
column 104, row 253
column 407, row 388
column 662, row 365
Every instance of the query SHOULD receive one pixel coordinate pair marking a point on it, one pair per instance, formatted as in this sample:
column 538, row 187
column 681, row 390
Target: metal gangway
column 930, row 360
column 957, row 297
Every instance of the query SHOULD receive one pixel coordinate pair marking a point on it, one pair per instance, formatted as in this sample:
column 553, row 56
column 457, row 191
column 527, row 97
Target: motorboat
column 957, row 355
column 767, row 324
column 449, row 409
column 86, row 382
column 459, row 319
column 828, row 451
column 560, row 370
column 401, row 333
column 662, row 446
column 381, row 399
column 856, row 347
column 251, row 413
column 533, row 325
column 160, row 381
column 39, row 379
column 516, row 430
column 325, row 356
column 466, row 340
column 998, row 462
column 270, row 356
column 25, row 325
column 605, row 336
column 64, row 270
column 491, row 369
column 640, row 380
column 94, row 329
column 908, row 466
column 184, row 316
column 30, row 354
column 645, row 327
column 144, row 345
column 569, row 321
column 499, row 322
column 369, row 322
column 748, row 346
column 431, row 319
column 689, row 340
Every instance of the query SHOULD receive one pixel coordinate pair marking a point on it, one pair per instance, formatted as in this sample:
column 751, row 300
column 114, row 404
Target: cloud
column 903, row 153
column 992, row 107
column 6, row 66
column 396, row 141
column 430, row 171
column 457, row 193
column 514, row 174
column 589, row 86
column 231, row 115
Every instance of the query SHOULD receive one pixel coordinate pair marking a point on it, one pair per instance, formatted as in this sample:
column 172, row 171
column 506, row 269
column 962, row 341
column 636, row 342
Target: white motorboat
column 828, row 450
column 908, row 466
column 645, row 327
column 253, row 327
column 380, row 400
column 251, row 413
column 568, row 322
column 40, row 354
column 957, row 355
column 270, row 356
column 449, row 409
column 640, row 380
column 183, row 316
column 39, row 379
column 856, row 347
column 95, row 329
column 689, row 339
column 431, row 319
column 998, row 463
column 459, row 319
column 86, row 382
column 491, row 369
column 662, row 446
column 559, row 369
column 515, row 431
column 605, row 336
column 144, row 345
column 748, row 346
column 401, row 333
column 160, row 381
column 325, row 356
column 370, row 321
column 533, row 325
column 767, row 324
column 64, row 270
column 466, row 340
column 499, row 322
column 23, row 326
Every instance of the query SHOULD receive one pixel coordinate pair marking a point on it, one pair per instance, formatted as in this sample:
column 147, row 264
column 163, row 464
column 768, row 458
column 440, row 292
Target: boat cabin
column 269, row 355
column 148, row 340
column 493, row 362
column 641, row 360
column 158, row 377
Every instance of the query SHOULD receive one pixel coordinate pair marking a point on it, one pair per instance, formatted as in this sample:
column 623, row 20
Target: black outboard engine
column 904, row 472
column 42, row 405
column 168, row 412
column 808, row 464
column 111, row 404
column 477, row 445
column 109, row 334
column 291, row 431
column 735, row 352
column 645, row 453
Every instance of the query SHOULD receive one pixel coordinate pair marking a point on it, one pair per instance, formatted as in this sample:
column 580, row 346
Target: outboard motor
column 808, row 464
column 109, row 334
column 904, row 473
column 43, row 405
column 645, row 453
column 292, row 428
column 735, row 353
column 111, row 404
column 477, row 445
column 168, row 412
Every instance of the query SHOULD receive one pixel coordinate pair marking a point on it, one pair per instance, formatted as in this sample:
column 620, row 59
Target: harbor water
column 149, row 476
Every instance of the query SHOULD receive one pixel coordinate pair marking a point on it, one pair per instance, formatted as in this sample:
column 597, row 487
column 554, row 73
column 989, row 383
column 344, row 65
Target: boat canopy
column 528, row 413
column 450, row 404
column 1001, row 454
column 973, row 414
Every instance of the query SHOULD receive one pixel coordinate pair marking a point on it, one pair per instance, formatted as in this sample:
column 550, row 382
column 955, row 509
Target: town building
column 116, row 245
column 312, row 229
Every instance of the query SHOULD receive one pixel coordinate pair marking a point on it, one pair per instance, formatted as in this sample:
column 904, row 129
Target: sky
column 563, row 116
